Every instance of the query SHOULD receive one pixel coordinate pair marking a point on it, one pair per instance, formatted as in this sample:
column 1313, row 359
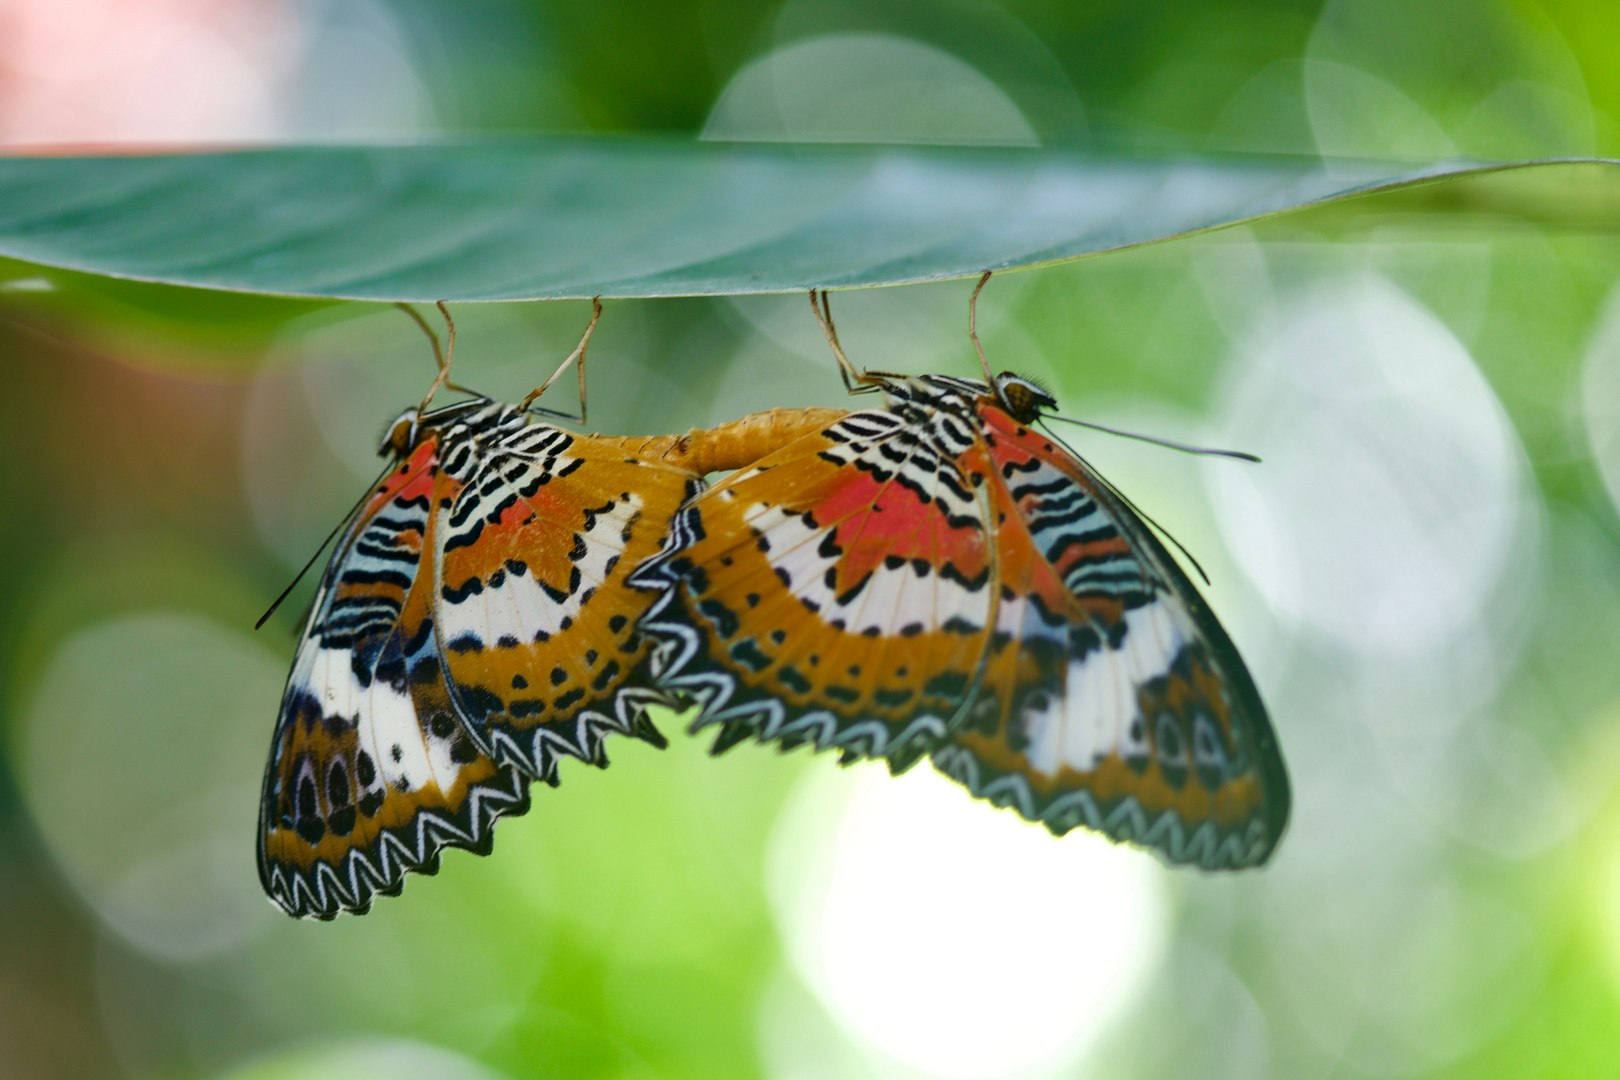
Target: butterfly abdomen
column 734, row 445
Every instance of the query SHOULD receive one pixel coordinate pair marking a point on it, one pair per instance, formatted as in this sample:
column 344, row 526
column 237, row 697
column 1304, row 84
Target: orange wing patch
column 936, row 578
column 537, row 628
column 837, row 592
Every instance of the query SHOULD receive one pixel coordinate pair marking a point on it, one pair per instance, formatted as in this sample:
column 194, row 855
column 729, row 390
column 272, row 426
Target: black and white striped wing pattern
column 1112, row 698
column 371, row 774
column 537, row 629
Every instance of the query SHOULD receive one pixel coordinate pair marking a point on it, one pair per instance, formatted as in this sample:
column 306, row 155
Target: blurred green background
column 1424, row 576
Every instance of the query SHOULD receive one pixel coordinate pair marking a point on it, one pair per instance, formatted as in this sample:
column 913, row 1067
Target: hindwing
column 837, row 592
column 371, row 775
column 537, row 629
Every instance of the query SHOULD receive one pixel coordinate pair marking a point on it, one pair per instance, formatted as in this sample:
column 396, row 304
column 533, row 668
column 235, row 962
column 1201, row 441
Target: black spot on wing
column 466, row 537
column 609, row 672
column 466, row 590
column 465, row 643
column 337, row 785
column 724, row 619
column 747, row 653
column 793, row 679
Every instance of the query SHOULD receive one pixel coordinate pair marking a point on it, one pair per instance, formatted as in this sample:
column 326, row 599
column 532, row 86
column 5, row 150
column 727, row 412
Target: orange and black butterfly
column 938, row 577
column 473, row 625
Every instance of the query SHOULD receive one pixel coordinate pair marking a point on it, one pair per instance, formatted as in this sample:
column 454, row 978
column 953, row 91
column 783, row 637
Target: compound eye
column 401, row 435
column 1024, row 399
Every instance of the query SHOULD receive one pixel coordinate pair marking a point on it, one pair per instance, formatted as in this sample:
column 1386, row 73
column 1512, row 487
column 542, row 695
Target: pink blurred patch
column 133, row 74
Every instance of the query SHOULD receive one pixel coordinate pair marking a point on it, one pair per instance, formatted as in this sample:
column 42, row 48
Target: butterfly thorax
column 919, row 398
column 465, row 432
column 936, row 412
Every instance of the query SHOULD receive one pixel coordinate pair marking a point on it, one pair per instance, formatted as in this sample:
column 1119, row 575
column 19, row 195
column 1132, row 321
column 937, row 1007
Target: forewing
column 836, row 592
column 537, row 627
column 1112, row 698
column 370, row 773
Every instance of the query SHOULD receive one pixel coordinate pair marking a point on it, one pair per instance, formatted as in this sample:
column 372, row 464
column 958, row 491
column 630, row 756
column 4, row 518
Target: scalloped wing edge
column 326, row 891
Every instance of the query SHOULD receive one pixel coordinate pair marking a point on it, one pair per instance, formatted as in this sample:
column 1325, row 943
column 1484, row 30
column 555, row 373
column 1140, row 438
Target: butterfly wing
column 1112, row 698
column 837, row 592
column 370, row 774
column 537, row 629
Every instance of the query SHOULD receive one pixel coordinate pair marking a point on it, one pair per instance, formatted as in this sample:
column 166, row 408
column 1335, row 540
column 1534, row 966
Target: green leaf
column 533, row 218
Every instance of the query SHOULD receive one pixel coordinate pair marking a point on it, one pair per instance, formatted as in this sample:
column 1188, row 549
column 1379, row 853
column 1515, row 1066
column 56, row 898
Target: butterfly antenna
column 1122, row 497
column 1166, row 443
column 353, row 510
column 577, row 354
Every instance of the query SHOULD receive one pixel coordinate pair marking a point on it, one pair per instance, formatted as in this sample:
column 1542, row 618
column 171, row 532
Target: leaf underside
column 574, row 217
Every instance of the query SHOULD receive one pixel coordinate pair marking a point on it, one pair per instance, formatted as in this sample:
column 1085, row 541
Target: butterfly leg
column 577, row 354
column 973, row 329
column 856, row 382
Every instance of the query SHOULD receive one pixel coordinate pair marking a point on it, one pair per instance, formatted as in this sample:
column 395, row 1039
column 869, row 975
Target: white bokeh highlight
column 954, row 940
column 1600, row 395
column 141, row 759
column 364, row 1059
column 1394, row 491
column 866, row 87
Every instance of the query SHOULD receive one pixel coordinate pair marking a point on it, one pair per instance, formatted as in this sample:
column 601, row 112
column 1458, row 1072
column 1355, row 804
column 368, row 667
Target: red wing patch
column 838, row 592
column 936, row 578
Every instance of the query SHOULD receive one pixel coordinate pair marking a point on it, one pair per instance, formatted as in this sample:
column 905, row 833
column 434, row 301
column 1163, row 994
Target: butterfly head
column 401, row 437
column 1024, row 398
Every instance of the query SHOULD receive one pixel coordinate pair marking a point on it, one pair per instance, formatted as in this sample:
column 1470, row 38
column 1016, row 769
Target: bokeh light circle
column 140, row 764
column 1600, row 395
column 364, row 1059
column 866, row 87
column 956, row 939
column 1394, row 490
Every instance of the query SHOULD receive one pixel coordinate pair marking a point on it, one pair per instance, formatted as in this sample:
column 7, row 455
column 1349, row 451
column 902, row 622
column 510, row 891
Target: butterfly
column 472, row 627
column 938, row 577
